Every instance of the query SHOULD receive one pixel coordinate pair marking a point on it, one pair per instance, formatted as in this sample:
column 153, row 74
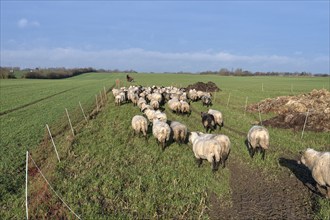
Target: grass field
column 106, row 172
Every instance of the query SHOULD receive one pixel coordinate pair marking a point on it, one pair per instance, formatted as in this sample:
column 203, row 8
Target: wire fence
column 71, row 121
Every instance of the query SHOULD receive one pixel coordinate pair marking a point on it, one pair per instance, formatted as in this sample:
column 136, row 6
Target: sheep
column 145, row 106
column 115, row 92
column 192, row 95
column 175, row 105
column 217, row 117
column 150, row 113
column 161, row 131
column 140, row 125
column 179, row 132
column 206, row 100
column 185, row 108
column 204, row 148
column 134, row 99
column 161, row 116
column 257, row 139
column 319, row 165
column 120, row 98
column 208, row 121
column 224, row 142
column 141, row 101
column 154, row 104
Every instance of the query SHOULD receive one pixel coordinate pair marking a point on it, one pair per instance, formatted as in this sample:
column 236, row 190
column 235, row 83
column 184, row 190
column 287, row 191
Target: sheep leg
column 328, row 192
column 199, row 161
column 215, row 166
column 252, row 152
column 223, row 161
column 263, row 154
column 163, row 145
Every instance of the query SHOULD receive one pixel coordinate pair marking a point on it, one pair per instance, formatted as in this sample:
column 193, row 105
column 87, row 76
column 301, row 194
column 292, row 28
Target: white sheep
column 140, row 125
column 185, row 107
column 192, row 95
column 150, row 113
column 204, row 148
column 161, row 116
column 319, row 165
column 141, row 101
column 258, row 139
column 175, row 105
column 224, row 142
column 120, row 98
column 135, row 99
column 217, row 117
column 161, row 131
column 154, row 104
column 179, row 131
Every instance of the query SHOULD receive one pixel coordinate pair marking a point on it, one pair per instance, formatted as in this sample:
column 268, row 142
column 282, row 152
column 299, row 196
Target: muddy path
column 257, row 194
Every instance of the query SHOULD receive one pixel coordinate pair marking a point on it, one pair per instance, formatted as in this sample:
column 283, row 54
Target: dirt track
column 255, row 197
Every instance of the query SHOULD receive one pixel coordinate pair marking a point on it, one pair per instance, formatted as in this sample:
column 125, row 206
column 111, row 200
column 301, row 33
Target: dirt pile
column 292, row 111
column 205, row 87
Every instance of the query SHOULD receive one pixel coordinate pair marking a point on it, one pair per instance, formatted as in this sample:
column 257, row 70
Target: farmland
column 107, row 172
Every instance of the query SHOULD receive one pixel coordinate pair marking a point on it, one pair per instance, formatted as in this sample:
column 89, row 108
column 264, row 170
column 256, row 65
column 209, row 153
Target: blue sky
column 167, row 36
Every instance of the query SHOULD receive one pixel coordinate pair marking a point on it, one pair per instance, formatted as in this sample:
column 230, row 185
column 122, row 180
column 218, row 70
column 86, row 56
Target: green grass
column 106, row 172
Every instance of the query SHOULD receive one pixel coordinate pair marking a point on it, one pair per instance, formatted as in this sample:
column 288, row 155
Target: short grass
column 107, row 172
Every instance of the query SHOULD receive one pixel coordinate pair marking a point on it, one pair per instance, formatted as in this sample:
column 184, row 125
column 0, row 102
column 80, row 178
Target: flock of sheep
column 214, row 148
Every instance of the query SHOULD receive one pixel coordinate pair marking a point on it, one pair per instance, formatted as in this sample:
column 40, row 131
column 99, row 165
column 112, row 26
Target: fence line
column 53, row 188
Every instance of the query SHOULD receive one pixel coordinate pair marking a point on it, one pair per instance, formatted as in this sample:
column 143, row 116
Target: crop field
column 106, row 172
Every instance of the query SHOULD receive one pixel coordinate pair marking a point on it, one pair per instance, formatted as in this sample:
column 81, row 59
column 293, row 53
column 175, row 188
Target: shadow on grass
column 301, row 172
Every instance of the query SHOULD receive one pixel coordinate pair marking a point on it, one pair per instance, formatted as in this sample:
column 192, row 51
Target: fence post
column 83, row 112
column 50, row 134
column 259, row 114
column 105, row 93
column 67, row 113
column 246, row 100
column 26, row 184
column 228, row 100
column 97, row 104
column 302, row 133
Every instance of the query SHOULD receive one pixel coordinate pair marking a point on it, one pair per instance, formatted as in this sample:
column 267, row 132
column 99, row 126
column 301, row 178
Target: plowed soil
column 205, row 87
column 293, row 110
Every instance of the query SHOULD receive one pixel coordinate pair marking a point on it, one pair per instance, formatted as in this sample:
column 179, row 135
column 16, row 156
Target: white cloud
column 25, row 23
column 154, row 61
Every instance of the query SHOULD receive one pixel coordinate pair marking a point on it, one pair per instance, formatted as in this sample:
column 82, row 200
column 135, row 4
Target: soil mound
column 292, row 111
column 205, row 87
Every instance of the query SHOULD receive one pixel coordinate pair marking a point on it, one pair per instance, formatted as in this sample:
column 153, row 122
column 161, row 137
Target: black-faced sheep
column 179, row 131
column 224, row 143
column 217, row 117
column 208, row 121
column 319, row 165
column 258, row 140
column 206, row 100
column 161, row 131
column 140, row 125
column 204, row 148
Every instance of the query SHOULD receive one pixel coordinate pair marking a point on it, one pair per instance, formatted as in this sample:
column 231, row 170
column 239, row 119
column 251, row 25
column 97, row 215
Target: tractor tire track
column 32, row 103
